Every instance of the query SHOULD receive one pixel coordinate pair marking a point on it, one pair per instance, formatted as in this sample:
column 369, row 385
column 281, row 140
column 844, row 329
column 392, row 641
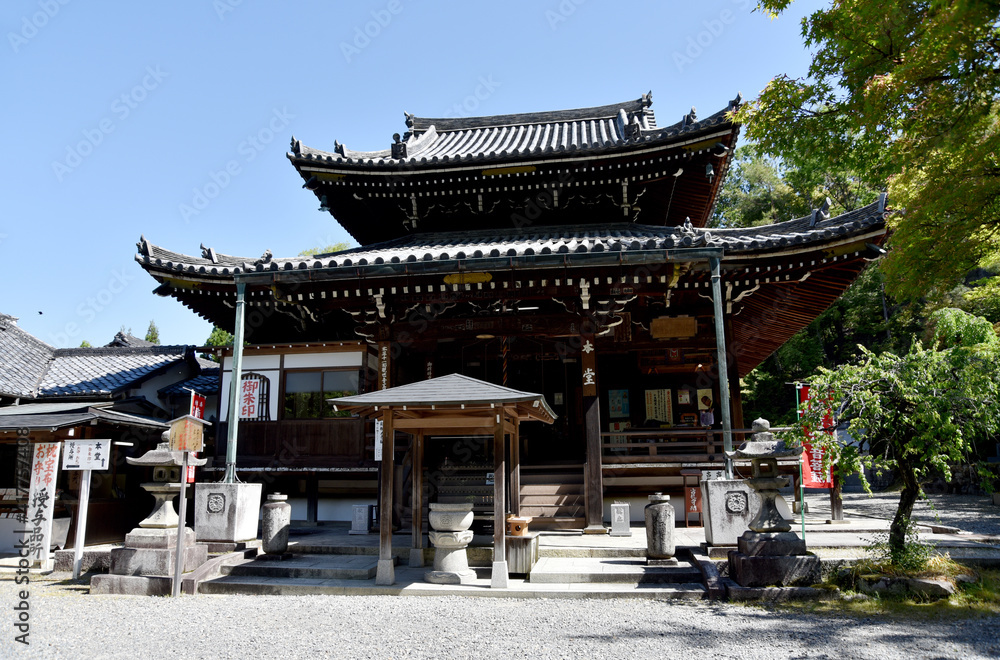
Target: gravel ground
column 970, row 513
column 67, row 624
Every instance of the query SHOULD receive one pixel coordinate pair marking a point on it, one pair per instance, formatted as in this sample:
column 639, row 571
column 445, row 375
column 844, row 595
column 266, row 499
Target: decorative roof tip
column 143, row 246
column 646, row 99
column 883, row 199
column 209, row 253
column 296, row 146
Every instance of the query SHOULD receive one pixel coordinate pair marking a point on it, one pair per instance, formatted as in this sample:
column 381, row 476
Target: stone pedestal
column 773, row 559
column 451, row 564
column 450, row 538
column 226, row 512
column 152, row 552
column 620, row 519
column 728, row 505
column 277, row 518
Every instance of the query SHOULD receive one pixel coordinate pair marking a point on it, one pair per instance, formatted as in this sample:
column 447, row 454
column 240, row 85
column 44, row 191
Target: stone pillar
column 277, row 518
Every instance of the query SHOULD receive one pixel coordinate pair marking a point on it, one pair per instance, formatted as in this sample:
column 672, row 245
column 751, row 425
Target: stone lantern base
column 773, row 559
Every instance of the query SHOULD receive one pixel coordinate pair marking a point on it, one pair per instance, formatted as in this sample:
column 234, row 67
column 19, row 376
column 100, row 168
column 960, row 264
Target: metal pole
column 234, row 387
column 720, row 347
column 179, row 560
column 81, row 523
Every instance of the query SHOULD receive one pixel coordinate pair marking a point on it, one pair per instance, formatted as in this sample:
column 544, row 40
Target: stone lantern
column 150, row 548
column 769, row 553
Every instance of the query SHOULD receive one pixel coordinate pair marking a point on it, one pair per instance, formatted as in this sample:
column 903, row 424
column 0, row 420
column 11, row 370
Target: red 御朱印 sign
column 813, row 474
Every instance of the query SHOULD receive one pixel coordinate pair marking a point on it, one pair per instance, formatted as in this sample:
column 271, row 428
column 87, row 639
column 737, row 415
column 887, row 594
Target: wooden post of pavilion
column 593, row 473
column 515, row 469
column 385, row 573
column 499, row 575
column 417, row 499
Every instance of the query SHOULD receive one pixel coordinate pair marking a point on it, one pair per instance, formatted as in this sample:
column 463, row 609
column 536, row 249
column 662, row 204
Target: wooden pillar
column 515, row 469
column 593, row 473
column 312, row 498
column 498, row 579
column 385, row 573
column 417, row 500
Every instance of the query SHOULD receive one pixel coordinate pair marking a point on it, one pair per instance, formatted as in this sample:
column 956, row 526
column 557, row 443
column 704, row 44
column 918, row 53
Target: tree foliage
column 329, row 249
column 915, row 413
column 153, row 333
column 904, row 94
column 218, row 337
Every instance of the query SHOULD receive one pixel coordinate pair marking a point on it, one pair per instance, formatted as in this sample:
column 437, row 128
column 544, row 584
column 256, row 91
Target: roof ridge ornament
column 143, row 246
column 735, row 103
column 209, row 253
column 398, row 148
column 647, row 99
column 689, row 118
column 409, row 118
column 296, row 146
column 264, row 258
column 822, row 213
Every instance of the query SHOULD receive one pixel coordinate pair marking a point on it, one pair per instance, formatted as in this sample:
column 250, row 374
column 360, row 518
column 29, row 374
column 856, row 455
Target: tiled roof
column 205, row 383
column 46, row 416
column 618, row 126
column 585, row 239
column 129, row 340
column 450, row 390
column 87, row 371
column 23, row 359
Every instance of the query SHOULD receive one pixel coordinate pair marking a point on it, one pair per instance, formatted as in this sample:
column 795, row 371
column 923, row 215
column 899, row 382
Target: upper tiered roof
column 582, row 166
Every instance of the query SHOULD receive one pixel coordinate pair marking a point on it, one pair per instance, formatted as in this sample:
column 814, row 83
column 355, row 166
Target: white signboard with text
column 86, row 454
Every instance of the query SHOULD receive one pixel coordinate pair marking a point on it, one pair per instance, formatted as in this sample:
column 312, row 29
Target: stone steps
column 567, row 570
column 323, row 567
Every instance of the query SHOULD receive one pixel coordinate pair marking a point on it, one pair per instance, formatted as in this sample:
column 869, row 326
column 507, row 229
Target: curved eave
column 377, row 164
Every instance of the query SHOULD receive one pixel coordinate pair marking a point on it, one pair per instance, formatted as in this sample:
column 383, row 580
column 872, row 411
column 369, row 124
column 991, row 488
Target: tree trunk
column 907, row 498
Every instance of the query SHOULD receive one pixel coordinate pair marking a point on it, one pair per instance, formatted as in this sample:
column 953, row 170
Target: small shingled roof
column 450, row 390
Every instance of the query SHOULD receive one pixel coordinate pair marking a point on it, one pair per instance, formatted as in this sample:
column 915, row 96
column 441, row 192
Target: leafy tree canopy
column 329, row 249
column 219, row 337
column 915, row 413
column 904, row 94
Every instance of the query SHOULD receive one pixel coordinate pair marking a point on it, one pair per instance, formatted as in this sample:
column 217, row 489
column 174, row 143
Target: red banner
column 813, row 474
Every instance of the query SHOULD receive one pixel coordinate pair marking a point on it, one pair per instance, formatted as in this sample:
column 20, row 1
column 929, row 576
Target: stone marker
column 277, row 518
column 620, row 519
column 361, row 522
column 660, row 517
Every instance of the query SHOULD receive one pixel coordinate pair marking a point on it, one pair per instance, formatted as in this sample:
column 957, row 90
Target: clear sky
column 121, row 118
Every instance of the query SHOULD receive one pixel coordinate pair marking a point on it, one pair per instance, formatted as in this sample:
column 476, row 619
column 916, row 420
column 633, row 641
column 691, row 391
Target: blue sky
column 121, row 119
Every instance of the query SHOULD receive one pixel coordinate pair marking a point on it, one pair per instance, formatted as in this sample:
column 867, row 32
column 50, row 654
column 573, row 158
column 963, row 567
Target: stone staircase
column 560, row 571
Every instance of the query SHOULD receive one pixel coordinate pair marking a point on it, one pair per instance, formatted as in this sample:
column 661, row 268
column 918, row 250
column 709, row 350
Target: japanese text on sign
column 41, row 499
column 85, row 454
column 813, row 455
column 250, row 391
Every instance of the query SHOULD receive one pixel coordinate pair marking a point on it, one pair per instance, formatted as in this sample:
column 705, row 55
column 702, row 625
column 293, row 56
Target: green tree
column 915, row 413
column 218, row 337
column 329, row 249
column 86, row 344
column 153, row 333
column 904, row 94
